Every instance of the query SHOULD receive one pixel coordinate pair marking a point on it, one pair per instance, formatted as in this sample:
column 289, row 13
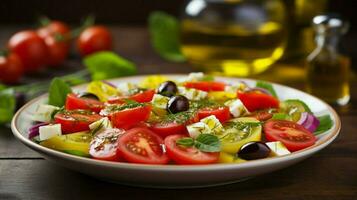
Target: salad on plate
column 193, row 120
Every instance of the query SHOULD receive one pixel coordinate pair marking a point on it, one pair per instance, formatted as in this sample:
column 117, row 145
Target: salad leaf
column 204, row 142
column 7, row 105
column 2, row 87
column 267, row 86
column 58, row 92
column 164, row 31
column 325, row 124
column 106, row 64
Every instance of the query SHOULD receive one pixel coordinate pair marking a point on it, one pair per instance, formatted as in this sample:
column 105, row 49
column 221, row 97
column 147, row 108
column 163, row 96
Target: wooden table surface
column 330, row 174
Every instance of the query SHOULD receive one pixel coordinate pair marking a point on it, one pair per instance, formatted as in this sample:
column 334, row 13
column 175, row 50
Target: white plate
column 176, row 176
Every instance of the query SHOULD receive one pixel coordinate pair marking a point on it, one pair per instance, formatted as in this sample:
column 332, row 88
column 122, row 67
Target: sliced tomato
column 75, row 120
column 257, row 101
column 141, row 97
column 104, row 145
column 140, row 145
column 74, row 102
column 294, row 136
column 188, row 155
column 130, row 117
column 222, row 113
column 206, row 85
column 171, row 128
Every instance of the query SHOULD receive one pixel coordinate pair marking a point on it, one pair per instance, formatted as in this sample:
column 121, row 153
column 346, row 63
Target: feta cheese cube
column 235, row 88
column 277, row 148
column 44, row 112
column 124, row 88
column 213, row 124
column 198, row 128
column 101, row 124
column 160, row 101
column 48, row 131
column 192, row 94
column 236, row 107
column 195, row 76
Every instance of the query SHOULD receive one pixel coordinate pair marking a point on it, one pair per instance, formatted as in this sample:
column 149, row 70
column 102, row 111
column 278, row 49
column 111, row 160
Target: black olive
column 254, row 150
column 177, row 104
column 88, row 95
column 167, row 88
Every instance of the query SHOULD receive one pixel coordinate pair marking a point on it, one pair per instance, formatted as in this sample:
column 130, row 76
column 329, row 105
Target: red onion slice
column 309, row 121
column 262, row 90
column 109, row 83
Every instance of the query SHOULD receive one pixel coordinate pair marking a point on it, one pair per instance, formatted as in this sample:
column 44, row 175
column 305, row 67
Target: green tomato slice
column 294, row 108
column 75, row 143
column 234, row 137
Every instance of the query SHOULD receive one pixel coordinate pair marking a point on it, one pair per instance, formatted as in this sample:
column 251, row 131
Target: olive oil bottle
column 235, row 38
column 327, row 70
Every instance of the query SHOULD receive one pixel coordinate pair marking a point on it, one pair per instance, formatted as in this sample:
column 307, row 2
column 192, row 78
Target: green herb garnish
column 179, row 118
column 242, row 126
column 204, row 142
column 128, row 105
column 326, row 123
column 106, row 65
column 267, row 86
column 204, row 103
column 58, row 92
column 164, row 31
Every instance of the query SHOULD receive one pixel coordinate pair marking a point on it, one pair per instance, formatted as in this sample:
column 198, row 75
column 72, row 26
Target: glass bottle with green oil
column 327, row 70
column 233, row 37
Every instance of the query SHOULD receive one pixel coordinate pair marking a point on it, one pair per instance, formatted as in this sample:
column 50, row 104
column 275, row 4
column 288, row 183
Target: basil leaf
column 58, row 92
column 267, row 86
column 325, row 124
column 186, row 142
column 164, row 32
column 208, row 143
column 7, row 105
column 106, row 65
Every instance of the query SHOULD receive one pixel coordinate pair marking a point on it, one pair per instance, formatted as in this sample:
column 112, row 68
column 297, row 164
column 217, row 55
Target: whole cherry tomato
column 11, row 68
column 31, row 49
column 93, row 39
column 56, row 36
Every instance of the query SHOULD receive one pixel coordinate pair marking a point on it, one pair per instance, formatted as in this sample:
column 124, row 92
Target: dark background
column 127, row 12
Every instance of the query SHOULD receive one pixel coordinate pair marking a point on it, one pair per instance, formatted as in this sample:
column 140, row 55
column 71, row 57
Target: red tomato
column 206, row 85
column 75, row 120
column 262, row 115
column 104, row 145
column 140, row 145
column 222, row 113
column 141, row 97
column 93, row 39
column 291, row 134
column 171, row 128
column 128, row 118
column 31, row 49
column 73, row 102
column 187, row 155
column 257, row 101
column 56, row 37
column 11, row 68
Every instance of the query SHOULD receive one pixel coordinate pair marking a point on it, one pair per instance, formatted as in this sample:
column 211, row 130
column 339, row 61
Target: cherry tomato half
column 104, row 145
column 172, row 128
column 31, row 49
column 11, row 68
column 140, row 145
column 188, row 155
column 73, row 102
column 222, row 113
column 206, row 85
column 75, row 120
column 129, row 117
column 257, row 101
column 93, row 39
column 291, row 134
column 141, row 97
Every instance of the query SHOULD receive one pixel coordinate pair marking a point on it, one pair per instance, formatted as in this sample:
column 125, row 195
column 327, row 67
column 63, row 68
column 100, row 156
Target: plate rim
column 155, row 167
